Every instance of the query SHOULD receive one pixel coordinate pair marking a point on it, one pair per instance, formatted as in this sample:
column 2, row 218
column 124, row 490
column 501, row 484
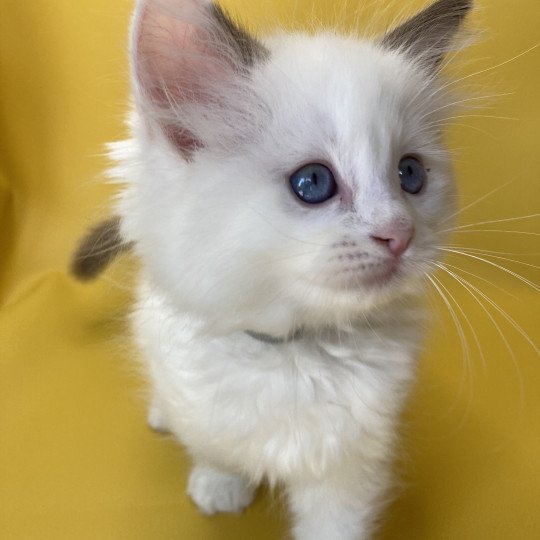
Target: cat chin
column 322, row 310
column 251, row 306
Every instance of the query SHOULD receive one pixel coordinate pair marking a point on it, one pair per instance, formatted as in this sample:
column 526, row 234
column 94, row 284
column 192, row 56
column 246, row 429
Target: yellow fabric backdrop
column 76, row 459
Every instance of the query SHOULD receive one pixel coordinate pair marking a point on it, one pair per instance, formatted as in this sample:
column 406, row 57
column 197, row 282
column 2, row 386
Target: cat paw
column 215, row 491
column 156, row 419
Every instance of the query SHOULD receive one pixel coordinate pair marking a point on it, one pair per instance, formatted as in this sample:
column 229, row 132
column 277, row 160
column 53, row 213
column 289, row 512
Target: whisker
column 471, row 327
column 468, row 286
column 474, row 203
column 465, row 100
column 475, row 128
column 529, row 233
column 481, row 279
column 472, row 250
column 492, row 116
column 454, row 82
column 459, row 329
column 496, row 221
column 530, row 49
column 490, row 251
column 508, row 318
column 503, row 268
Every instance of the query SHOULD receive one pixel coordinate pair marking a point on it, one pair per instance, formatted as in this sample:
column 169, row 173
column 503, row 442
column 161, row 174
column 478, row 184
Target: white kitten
column 285, row 198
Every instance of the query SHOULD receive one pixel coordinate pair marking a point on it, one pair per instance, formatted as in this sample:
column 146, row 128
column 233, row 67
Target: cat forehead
column 329, row 66
column 325, row 90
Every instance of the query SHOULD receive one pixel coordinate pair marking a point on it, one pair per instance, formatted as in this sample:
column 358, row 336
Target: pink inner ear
column 176, row 53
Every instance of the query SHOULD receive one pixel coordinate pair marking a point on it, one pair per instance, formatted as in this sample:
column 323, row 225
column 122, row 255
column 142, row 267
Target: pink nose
column 395, row 238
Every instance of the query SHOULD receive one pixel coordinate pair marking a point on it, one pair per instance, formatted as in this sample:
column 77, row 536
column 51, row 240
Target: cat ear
column 182, row 51
column 428, row 36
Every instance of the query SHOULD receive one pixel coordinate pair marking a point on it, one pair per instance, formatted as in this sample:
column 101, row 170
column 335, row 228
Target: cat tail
column 98, row 248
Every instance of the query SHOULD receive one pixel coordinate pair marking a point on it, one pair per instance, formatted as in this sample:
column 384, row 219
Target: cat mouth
column 382, row 278
column 371, row 276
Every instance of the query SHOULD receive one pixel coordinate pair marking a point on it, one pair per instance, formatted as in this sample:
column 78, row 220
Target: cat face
column 298, row 181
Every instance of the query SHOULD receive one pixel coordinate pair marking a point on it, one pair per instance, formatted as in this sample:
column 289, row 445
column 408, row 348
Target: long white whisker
column 503, row 268
column 481, row 279
column 482, row 116
column 530, row 49
column 494, row 231
column 495, row 221
column 472, row 250
column 464, row 345
column 468, row 286
column 510, row 320
column 486, row 70
column 475, row 128
column 491, row 251
column 465, row 100
column 474, row 203
column 471, row 327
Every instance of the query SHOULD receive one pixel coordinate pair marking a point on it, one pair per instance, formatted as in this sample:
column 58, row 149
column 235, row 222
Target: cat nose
column 396, row 237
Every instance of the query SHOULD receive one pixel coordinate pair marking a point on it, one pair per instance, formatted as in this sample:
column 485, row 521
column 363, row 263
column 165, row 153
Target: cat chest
column 277, row 421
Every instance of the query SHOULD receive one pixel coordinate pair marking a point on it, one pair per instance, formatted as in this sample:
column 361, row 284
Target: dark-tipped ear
column 98, row 249
column 182, row 51
column 428, row 36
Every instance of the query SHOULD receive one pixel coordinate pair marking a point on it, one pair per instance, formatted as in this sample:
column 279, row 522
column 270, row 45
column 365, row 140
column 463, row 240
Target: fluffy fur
column 220, row 122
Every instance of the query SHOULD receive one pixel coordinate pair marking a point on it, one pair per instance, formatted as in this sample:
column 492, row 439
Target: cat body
column 286, row 198
column 313, row 413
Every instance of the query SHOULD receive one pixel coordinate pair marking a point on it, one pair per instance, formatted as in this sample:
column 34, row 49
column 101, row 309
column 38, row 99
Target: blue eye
column 313, row 183
column 411, row 174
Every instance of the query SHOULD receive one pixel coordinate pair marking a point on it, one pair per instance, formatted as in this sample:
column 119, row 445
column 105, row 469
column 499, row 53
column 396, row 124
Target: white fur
column 226, row 247
column 215, row 491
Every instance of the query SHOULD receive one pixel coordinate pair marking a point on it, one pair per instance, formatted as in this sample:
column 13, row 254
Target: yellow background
column 76, row 458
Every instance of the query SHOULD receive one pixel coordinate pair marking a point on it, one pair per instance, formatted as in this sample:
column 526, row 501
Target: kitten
column 285, row 198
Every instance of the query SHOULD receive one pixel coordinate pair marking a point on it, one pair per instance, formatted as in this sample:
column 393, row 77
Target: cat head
column 299, row 180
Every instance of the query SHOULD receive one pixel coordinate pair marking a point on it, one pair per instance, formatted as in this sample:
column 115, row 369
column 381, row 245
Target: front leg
column 214, row 490
column 338, row 508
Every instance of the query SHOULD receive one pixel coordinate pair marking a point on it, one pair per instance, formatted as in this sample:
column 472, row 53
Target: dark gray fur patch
column 428, row 35
column 248, row 49
column 98, row 249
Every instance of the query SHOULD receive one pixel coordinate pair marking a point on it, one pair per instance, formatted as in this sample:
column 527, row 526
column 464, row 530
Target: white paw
column 156, row 419
column 214, row 491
